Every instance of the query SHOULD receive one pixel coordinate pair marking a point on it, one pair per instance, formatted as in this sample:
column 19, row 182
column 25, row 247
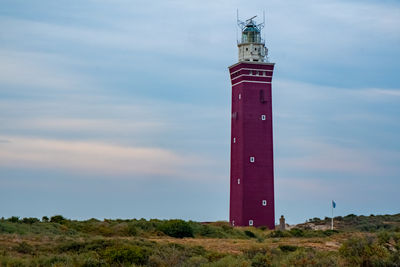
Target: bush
column 176, row 228
column 57, row 219
column 279, row 233
column 250, row 234
column 296, row 232
column 195, row 261
column 132, row 231
column 13, row 219
column 364, row 252
column 24, row 248
column 253, row 251
column 304, row 257
column 230, row 261
column 330, row 232
column 126, row 255
column 45, row 219
column 261, row 260
column 30, row 220
column 287, row 248
column 315, row 220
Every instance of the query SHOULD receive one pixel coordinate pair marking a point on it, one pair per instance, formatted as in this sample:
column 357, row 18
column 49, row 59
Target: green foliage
column 126, row 255
column 64, row 242
column 57, row 219
column 296, row 232
column 45, row 219
column 176, row 228
column 261, row 260
column 230, row 261
column 287, row 248
column 24, row 248
column 330, row 232
column 315, row 220
column 132, row 230
column 279, row 233
column 30, row 220
column 253, row 251
column 13, row 219
column 195, row 261
column 364, row 252
column 310, row 257
column 250, row 234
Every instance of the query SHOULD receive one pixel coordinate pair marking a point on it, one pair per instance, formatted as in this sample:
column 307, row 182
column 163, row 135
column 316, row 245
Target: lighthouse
column 252, row 160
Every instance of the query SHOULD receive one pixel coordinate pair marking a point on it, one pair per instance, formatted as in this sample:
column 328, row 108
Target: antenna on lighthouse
column 264, row 23
column 237, row 21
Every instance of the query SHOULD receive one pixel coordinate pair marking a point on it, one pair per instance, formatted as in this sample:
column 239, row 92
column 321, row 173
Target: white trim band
column 252, row 75
column 249, row 82
column 250, row 69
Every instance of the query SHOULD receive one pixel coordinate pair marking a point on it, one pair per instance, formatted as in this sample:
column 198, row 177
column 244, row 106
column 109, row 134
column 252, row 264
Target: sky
column 121, row 109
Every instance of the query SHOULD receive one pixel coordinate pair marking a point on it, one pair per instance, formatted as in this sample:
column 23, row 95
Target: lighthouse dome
column 251, row 33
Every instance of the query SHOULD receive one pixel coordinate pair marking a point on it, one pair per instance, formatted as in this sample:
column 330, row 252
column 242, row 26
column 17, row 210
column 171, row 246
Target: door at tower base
column 252, row 169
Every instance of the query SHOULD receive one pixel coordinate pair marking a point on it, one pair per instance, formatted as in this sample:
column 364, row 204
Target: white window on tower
column 264, row 203
column 251, row 72
column 250, row 222
column 238, row 181
column 263, row 117
column 233, row 223
column 240, row 96
column 252, row 159
column 234, row 140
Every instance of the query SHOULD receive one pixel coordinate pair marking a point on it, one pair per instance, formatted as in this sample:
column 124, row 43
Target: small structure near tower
column 252, row 169
column 282, row 223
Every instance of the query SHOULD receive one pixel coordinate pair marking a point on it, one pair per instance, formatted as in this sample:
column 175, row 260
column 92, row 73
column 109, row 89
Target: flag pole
column 332, row 217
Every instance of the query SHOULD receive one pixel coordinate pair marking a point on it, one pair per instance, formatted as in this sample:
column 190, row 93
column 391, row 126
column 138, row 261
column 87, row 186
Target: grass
column 62, row 242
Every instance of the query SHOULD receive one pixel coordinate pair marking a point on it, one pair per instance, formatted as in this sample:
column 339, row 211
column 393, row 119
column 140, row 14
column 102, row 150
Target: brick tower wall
column 252, row 197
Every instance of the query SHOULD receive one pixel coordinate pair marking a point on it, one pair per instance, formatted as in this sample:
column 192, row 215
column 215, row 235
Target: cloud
column 377, row 92
column 92, row 157
column 319, row 156
column 38, row 71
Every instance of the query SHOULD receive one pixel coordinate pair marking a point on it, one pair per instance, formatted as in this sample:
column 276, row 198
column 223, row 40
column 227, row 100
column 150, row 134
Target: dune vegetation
column 57, row 241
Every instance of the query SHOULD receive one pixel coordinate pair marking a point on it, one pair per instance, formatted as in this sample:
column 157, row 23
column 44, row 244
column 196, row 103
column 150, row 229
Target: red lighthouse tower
column 252, row 168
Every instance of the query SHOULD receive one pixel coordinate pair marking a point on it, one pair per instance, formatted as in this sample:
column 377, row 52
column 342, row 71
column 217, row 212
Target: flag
column 333, row 204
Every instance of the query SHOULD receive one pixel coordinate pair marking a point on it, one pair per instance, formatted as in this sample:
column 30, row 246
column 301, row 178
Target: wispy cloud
column 92, row 157
column 38, row 71
column 382, row 92
column 319, row 156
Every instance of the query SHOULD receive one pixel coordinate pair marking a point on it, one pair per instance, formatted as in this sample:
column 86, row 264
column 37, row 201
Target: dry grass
column 236, row 246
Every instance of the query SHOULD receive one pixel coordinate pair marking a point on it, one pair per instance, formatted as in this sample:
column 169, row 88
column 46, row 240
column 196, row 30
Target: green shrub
column 303, row 257
column 253, row 251
column 13, row 219
column 364, row 252
column 230, row 261
column 330, row 232
column 195, row 261
column 261, row 260
column 249, row 234
column 30, row 220
column 279, row 233
column 24, row 248
column 287, row 248
column 71, row 246
column 57, row 219
column 315, row 220
column 131, row 230
column 211, row 231
column 296, row 232
column 126, row 255
column 176, row 228
column 45, row 219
